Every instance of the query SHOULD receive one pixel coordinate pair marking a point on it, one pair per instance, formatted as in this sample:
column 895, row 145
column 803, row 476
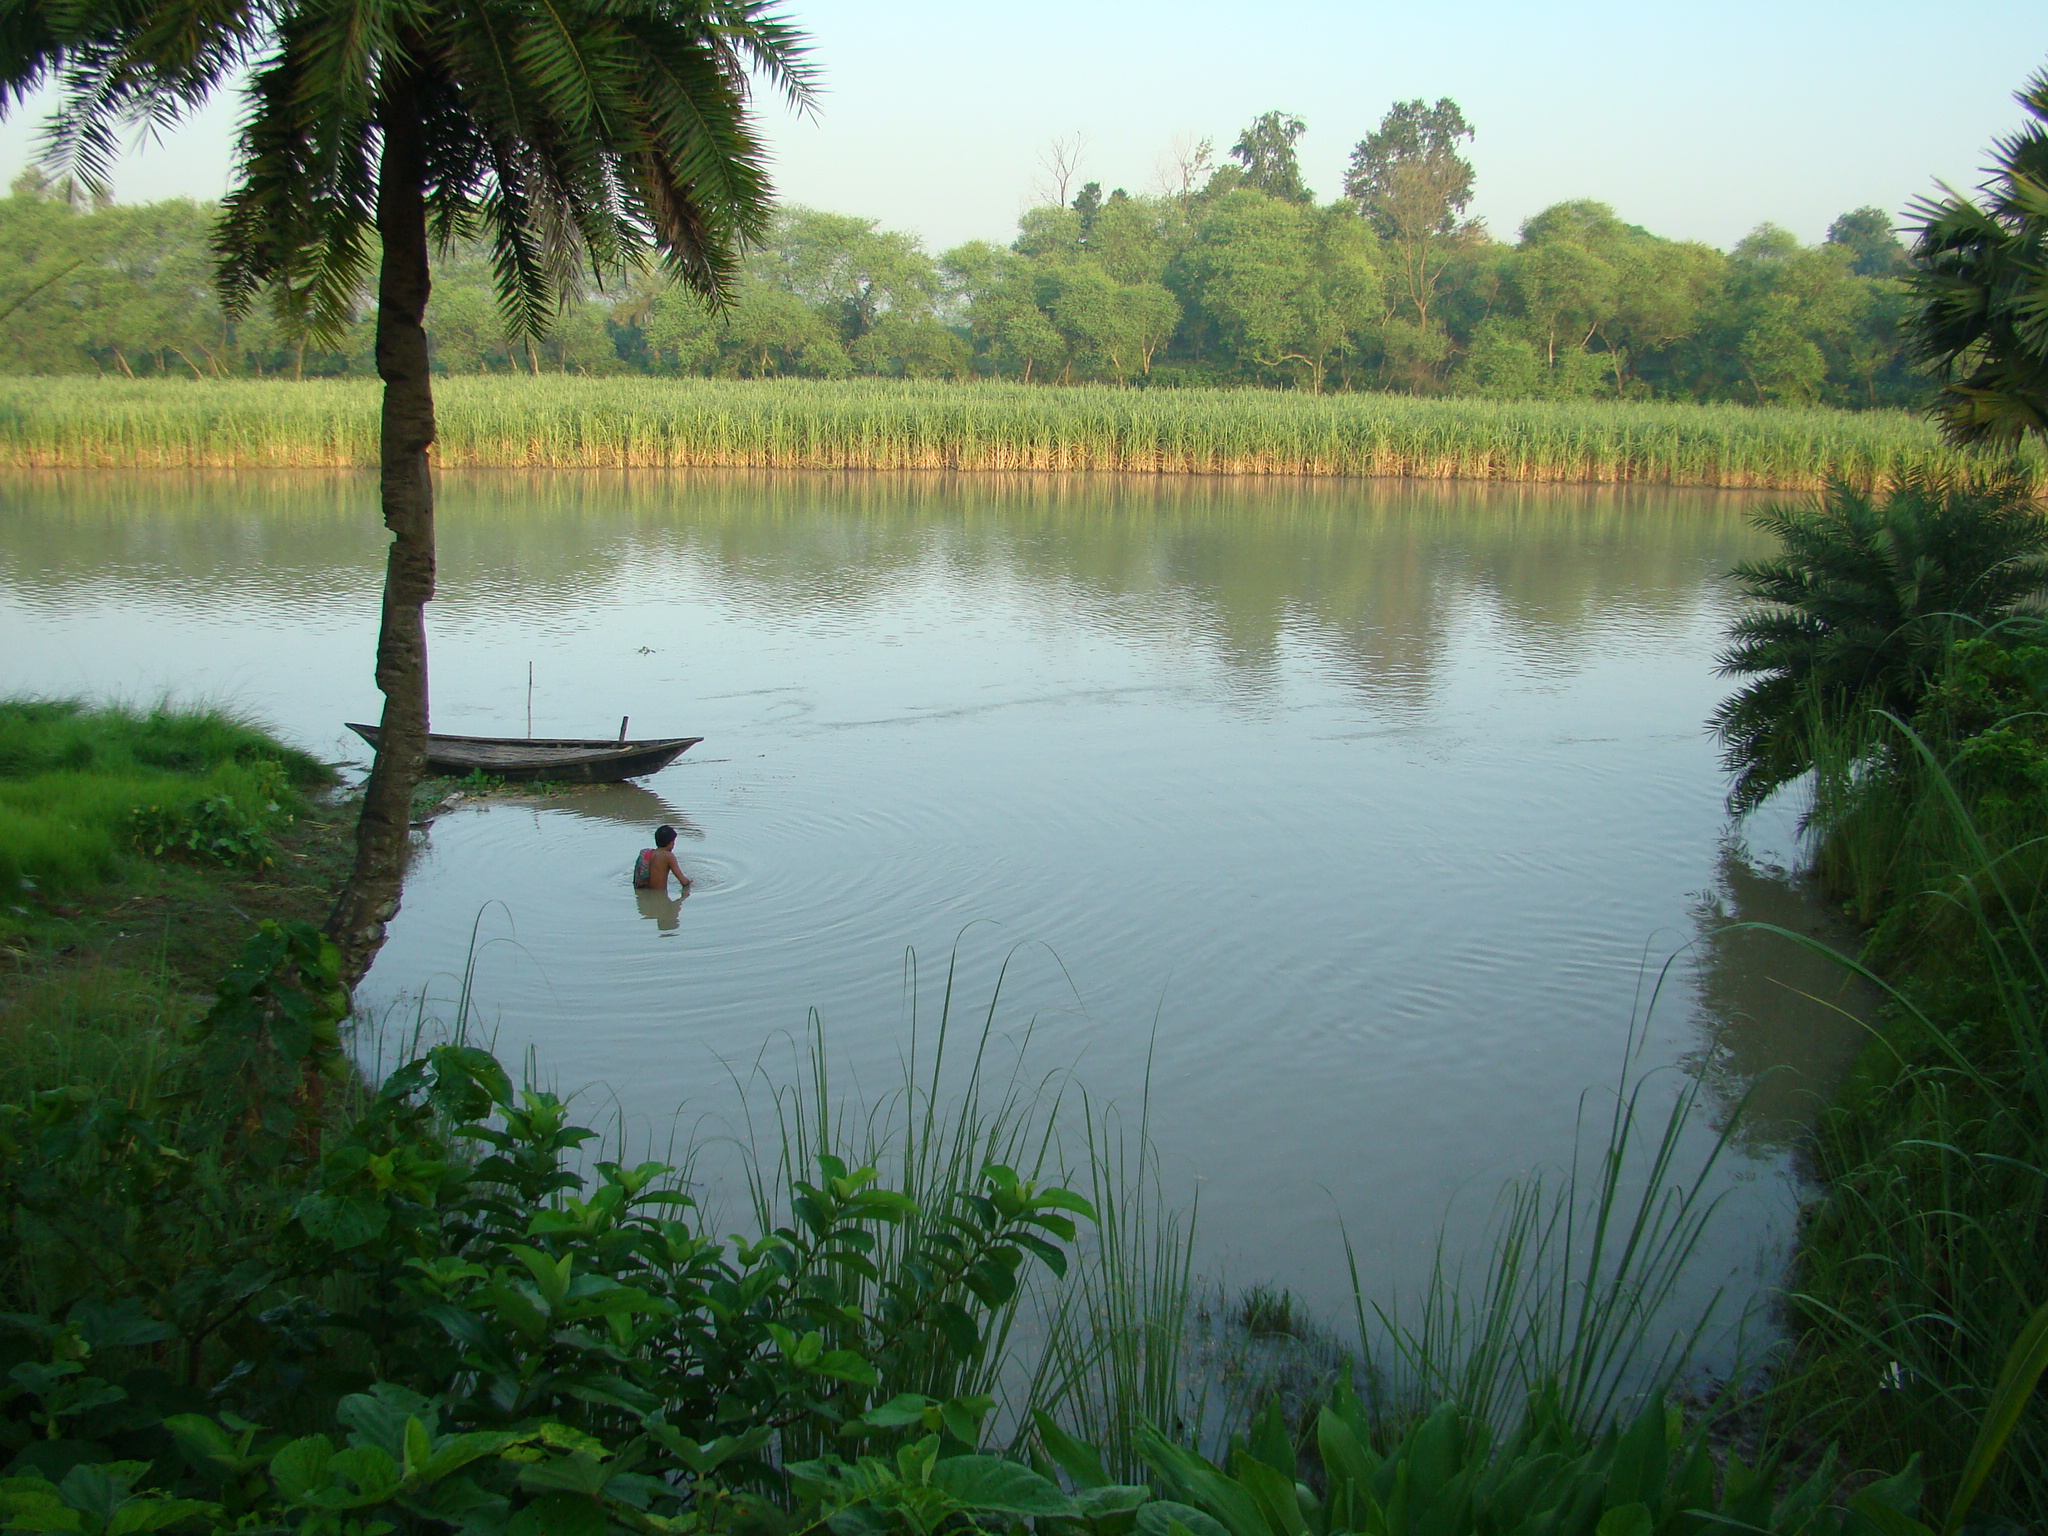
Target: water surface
column 1365, row 816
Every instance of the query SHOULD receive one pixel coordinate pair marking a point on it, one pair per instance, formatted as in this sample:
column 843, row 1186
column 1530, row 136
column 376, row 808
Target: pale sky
column 1696, row 121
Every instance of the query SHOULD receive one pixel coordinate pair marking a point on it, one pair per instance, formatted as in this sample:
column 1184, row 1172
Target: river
column 1359, row 818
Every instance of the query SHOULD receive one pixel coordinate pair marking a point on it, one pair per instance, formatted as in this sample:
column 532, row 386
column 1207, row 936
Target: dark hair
column 664, row 836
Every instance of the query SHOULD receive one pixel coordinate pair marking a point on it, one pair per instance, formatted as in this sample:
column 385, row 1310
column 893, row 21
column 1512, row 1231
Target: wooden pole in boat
column 622, row 726
column 529, row 701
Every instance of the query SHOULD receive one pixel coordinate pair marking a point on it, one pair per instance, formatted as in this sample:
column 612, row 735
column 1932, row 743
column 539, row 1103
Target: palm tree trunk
column 370, row 899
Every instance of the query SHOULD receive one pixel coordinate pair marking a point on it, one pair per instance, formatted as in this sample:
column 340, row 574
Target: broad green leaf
column 357, row 1478
column 1112, row 1499
column 454, row 1452
column 845, row 1365
column 578, row 1474
column 902, row 1410
column 1003, row 1487
column 342, row 1221
column 301, row 1466
column 1161, row 1516
column 122, row 1325
column 152, row 1512
column 1079, row 1461
column 1626, row 1519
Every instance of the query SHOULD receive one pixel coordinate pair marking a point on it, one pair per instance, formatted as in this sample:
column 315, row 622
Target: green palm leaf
column 1857, row 610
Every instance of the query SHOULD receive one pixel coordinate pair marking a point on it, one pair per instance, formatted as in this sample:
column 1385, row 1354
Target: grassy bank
column 1922, row 1267
column 577, row 423
column 134, row 844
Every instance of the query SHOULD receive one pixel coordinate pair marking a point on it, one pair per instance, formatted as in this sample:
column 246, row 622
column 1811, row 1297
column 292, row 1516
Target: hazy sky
column 1697, row 121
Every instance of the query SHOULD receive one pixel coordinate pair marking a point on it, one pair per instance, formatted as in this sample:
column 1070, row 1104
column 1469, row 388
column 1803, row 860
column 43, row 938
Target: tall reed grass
column 1583, row 1301
column 1099, row 1347
column 565, row 422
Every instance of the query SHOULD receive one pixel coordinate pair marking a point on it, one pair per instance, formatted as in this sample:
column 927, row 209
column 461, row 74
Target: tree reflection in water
column 1777, row 1021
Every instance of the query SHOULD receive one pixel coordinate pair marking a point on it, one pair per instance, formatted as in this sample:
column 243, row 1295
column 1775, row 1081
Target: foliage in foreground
column 1923, row 1270
column 437, row 1281
column 225, row 1314
column 1979, row 282
column 1449, row 1472
column 1903, row 663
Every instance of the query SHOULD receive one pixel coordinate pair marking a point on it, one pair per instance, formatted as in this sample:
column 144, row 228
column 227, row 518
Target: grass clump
column 581, row 423
column 88, row 791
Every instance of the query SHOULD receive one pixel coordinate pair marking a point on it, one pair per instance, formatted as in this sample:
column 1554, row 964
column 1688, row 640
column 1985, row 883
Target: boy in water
column 652, row 869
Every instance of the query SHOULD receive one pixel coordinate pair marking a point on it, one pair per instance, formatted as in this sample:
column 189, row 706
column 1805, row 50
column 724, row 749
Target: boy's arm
column 676, row 864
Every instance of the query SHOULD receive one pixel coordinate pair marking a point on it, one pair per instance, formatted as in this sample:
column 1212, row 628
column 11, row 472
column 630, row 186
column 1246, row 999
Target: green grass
column 565, row 422
column 85, row 791
column 1920, row 1271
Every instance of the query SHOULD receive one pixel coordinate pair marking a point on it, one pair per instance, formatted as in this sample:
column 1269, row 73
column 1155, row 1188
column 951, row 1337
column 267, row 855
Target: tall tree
column 1410, row 181
column 1266, row 151
column 1867, row 235
column 1290, row 289
column 575, row 136
column 1088, row 203
column 1981, row 281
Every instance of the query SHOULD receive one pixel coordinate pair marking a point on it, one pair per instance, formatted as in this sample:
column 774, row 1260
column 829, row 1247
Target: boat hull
column 558, row 761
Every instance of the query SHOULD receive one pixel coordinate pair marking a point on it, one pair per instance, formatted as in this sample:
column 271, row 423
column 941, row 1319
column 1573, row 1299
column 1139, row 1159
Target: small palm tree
column 1860, row 607
column 575, row 136
column 1981, row 281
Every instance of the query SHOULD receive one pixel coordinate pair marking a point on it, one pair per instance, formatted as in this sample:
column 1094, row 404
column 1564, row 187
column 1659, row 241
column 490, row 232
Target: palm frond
column 1861, row 604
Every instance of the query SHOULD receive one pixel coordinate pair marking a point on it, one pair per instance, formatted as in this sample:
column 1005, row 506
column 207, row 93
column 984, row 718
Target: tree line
column 1232, row 274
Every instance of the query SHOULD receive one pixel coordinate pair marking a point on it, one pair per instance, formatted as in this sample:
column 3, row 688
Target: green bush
column 221, row 824
column 1449, row 1473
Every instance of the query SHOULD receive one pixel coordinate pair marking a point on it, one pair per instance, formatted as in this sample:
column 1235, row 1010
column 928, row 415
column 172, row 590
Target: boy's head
column 664, row 837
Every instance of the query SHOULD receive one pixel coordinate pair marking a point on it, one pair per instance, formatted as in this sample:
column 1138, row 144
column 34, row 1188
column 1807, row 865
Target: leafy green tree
column 1134, row 238
column 1290, row 288
column 1861, row 605
column 900, row 347
column 1411, row 183
column 1568, row 294
column 1873, row 247
column 1053, row 232
column 1503, row 363
column 1266, row 151
column 1661, row 294
column 1785, row 308
column 1016, row 333
column 850, row 268
column 570, row 137
column 1088, row 203
column 465, row 330
column 1111, row 330
column 1980, row 282
column 769, row 330
column 682, row 333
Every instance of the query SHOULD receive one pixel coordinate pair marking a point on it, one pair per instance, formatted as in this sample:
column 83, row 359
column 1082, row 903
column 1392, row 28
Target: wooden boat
column 568, row 761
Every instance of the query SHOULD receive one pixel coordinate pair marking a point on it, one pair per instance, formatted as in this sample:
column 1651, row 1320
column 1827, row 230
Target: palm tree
column 575, row 136
column 1861, row 605
column 1981, row 279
